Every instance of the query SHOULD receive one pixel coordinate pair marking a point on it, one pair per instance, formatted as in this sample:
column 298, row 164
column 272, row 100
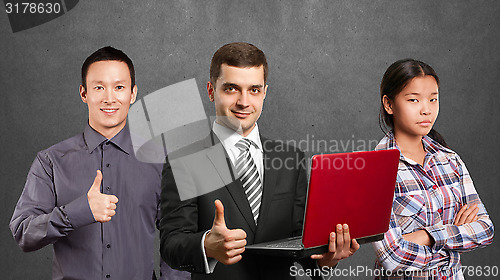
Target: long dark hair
column 395, row 79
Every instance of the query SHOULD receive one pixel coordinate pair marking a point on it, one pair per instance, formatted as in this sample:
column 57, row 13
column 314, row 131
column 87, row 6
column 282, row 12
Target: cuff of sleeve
column 209, row 263
column 440, row 235
column 78, row 212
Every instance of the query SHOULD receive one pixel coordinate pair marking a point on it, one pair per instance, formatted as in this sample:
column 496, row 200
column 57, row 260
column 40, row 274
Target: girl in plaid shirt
column 437, row 213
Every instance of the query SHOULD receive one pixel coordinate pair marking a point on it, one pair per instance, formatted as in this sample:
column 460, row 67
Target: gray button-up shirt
column 53, row 208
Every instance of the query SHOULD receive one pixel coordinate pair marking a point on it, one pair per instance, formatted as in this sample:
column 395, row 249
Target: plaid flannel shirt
column 429, row 197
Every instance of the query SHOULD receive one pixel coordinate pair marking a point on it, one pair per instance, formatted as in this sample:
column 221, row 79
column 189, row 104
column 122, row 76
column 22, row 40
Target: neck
column 409, row 143
column 108, row 132
column 238, row 130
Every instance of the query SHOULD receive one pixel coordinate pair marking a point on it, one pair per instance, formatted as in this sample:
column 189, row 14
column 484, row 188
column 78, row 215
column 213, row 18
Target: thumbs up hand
column 102, row 205
column 223, row 244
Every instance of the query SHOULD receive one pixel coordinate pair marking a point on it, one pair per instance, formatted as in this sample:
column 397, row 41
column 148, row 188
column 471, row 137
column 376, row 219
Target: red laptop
column 348, row 188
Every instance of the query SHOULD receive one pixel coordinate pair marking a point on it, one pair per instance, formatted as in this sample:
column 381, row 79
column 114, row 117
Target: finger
column 462, row 210
column 235, row 252
column 332, row 243
column 354, row 246
column 471, row 208
column 459, row 215
column 219, row 214
column 460, row 220
column 96, row 185
column 347, row 237
column 340, row 236
column 104, row 219
column 317, row 257
column 466, row 214
column 111, row 213
column 472, row 216
column 113, row 199
column 112, row 206
column 233, row 260
column 236, row 234
column 235, row 244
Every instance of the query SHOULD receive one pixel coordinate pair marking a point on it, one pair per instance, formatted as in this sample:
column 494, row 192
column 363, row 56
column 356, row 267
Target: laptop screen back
column 349, row 188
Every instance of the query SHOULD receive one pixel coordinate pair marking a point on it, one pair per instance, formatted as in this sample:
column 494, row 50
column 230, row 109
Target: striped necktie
column 249, row 176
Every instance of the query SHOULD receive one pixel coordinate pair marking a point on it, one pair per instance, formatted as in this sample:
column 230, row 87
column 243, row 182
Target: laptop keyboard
column 291, row 243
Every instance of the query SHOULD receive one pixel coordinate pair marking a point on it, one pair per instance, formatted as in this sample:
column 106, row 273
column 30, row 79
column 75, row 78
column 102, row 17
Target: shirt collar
column 430, row 146
column 229, row 137
column 121, row 140
column 433, row 147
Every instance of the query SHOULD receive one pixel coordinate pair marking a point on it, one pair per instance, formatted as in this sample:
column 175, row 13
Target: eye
column 255, row 90
column 99, row 88
column 230, row 89
column 434, row 100
column 413, row 100
column 120, row 87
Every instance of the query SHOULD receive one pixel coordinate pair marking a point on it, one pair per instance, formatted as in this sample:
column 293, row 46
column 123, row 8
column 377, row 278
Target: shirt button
column 441, row 211
column 108, row 188
column 107, row 164
column 107, row 275
column 444, row 278
column 108, row 246
column 434, row 187
column 107, row 143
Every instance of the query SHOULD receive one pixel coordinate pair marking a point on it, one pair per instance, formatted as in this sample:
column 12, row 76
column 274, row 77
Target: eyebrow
column 238, row 86
column 102, row 82
column 417, row 93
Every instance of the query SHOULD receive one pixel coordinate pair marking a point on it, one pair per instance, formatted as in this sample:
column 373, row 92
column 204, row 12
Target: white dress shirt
column 229, row 138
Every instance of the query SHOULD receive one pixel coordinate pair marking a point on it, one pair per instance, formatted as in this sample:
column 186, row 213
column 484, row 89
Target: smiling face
column 108, row 95
column 238, row 95
column 415, row 108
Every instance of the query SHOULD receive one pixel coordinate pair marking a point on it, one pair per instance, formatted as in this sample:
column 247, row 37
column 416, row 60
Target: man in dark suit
column 263, row 185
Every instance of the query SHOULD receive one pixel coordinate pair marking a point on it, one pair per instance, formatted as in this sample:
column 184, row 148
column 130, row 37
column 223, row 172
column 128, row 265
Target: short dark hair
column 395, row 79
column 238, row 54
column 106, row 54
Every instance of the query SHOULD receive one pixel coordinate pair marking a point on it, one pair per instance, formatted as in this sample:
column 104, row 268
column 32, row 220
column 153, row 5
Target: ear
column 83, row 94
column 265, row 91
column 134, row 94
column 211, row 91
column 387, row 104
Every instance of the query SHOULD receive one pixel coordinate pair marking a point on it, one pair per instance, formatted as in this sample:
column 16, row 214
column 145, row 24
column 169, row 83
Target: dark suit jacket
column 281, row 213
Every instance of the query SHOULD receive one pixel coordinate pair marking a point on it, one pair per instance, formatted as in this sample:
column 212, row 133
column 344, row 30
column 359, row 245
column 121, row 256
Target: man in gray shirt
column 88, row 195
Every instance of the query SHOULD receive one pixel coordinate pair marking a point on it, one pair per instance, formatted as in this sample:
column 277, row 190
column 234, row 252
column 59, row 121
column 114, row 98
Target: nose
column 426, row 109
column 108, row 96
column 243, row 99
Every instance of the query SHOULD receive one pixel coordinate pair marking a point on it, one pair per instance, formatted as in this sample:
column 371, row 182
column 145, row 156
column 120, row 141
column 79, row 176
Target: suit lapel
column 222, row 164
column 270, row 177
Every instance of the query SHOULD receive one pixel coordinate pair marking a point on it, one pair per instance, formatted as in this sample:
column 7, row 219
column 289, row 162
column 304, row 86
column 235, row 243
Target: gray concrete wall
column 326, row 60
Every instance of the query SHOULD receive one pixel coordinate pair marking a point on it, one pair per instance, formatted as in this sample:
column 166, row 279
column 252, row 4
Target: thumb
column 219, row 214
column 96, row 186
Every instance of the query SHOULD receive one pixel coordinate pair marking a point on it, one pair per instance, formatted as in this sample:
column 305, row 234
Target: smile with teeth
column 109, row 110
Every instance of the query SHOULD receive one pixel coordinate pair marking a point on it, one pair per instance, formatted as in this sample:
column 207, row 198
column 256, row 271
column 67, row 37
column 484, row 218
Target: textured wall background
column 326, row 61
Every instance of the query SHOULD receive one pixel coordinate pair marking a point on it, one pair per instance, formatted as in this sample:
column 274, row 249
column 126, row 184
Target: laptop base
column 293, row 248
